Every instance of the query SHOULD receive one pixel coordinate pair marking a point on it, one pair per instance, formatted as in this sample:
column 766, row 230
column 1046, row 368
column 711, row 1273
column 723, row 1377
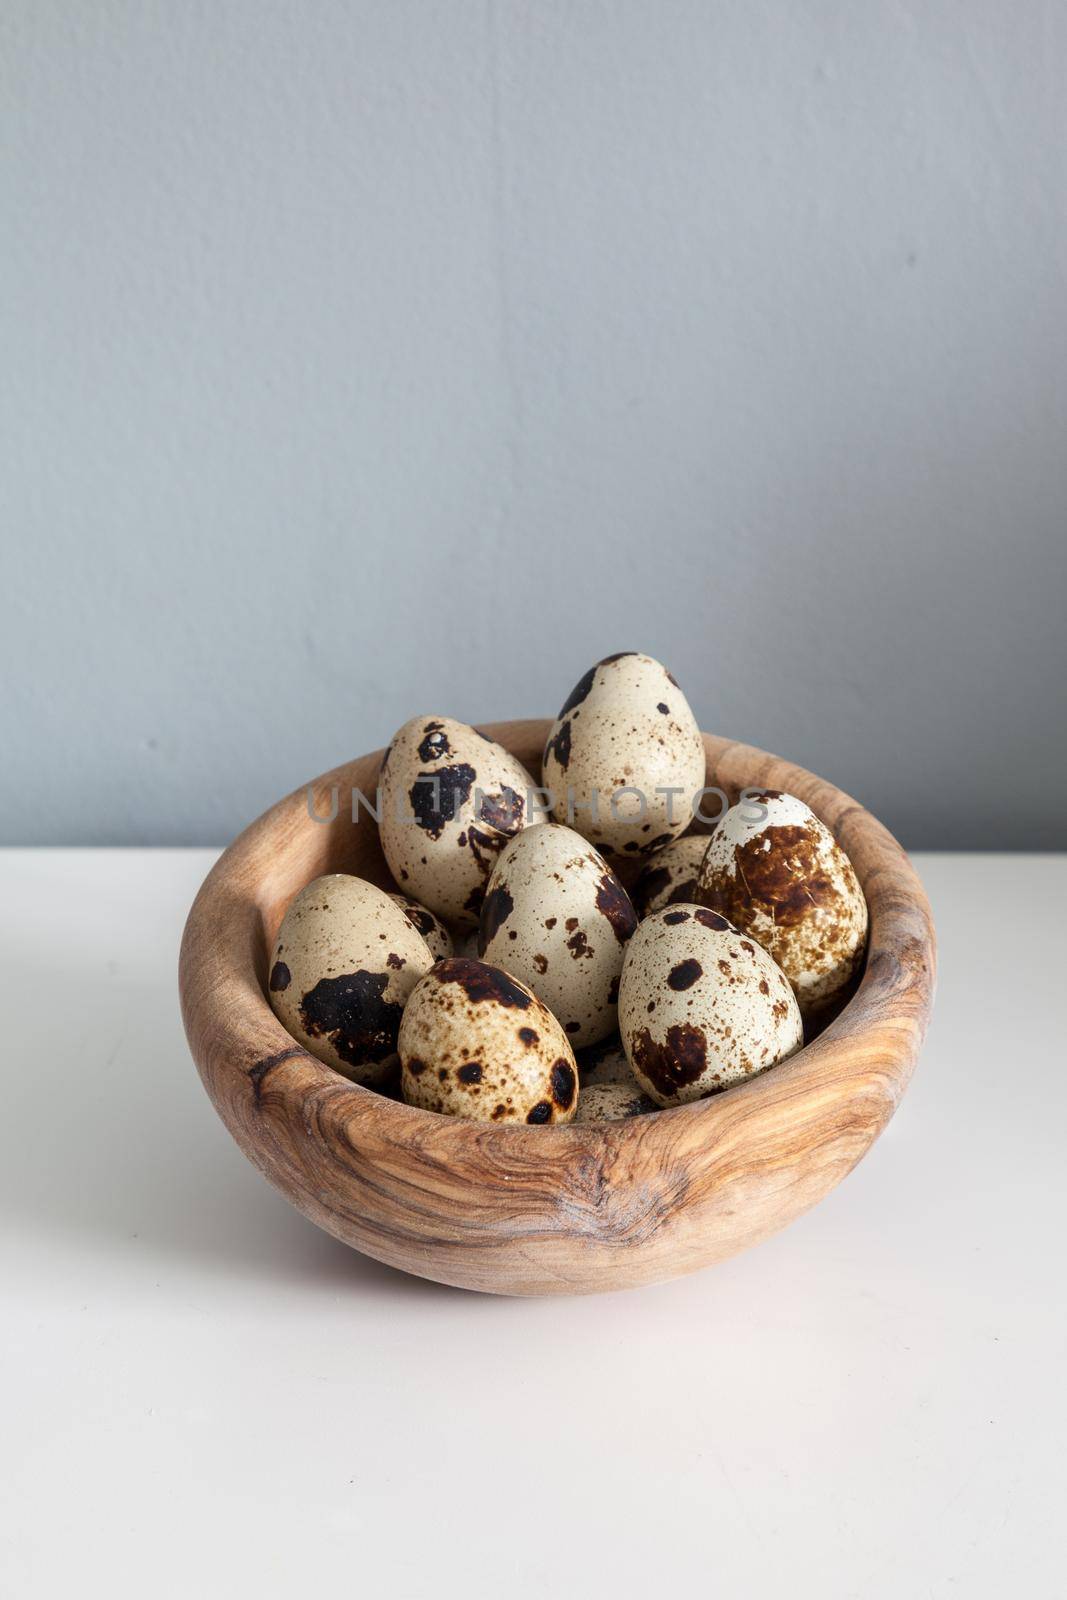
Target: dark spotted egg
column 780, row 876
column 450, row 801
column 670, row 876
column 344, row 963
column 701, row 1006
column 476, row 1043
column 624, row 737
column 423, row 921
column 613, row 1102
column 556, row 916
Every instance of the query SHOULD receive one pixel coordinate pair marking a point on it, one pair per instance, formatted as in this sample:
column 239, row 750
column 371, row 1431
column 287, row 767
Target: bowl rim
column 312, row 1131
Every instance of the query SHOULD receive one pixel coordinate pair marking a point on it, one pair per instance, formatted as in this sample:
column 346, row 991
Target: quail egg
column 780, row 876
column 613, row 1102
column 450, row 799
column 670, row 876
column 474, row 1042
column 345, row 960
column 625, row 757
column 423, row 921
column 556, row 916
column 701, row 1006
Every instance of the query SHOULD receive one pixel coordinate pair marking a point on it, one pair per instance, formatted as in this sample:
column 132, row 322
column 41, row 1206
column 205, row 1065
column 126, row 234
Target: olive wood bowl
column 552, row 1210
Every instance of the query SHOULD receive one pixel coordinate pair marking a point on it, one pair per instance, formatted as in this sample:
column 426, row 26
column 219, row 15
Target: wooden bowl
column 555, row 1210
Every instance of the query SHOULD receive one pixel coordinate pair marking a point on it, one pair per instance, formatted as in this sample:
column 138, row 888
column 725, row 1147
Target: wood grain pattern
column 568, row 1210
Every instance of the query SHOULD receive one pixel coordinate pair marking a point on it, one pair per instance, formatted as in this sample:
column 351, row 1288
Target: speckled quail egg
column 423, row 921
column 475, row 1042
column 780, row 876
column 557, row 917
column 626, row 733
column 604, row 1063
column 670, row 876
column 701, row 1006
column 613, row 1102
column 345, row 961
column 450, row 800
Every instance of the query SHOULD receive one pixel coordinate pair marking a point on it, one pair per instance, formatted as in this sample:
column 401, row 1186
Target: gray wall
column 362, row 359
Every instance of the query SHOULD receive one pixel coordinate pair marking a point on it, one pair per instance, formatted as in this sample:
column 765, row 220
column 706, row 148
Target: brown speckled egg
column 344, row 963
column 423, row 921
column 670, row 876
column 450, row 801
column 475, row 1042
column 782, row 878
column 557, row 917
column 626, row 726
column 613, row 1102
column 604, row 1063
column 701, row 1006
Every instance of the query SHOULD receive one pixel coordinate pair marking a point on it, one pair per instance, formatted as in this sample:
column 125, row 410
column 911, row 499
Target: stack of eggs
column 512, row 978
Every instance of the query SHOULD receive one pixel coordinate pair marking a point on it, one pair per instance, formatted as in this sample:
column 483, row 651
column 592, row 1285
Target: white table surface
column 204, row 1395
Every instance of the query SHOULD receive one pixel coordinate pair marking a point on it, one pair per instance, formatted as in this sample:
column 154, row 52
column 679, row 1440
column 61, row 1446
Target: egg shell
column 701, row 1006
column 476, row 1043
column 783, row 879
column 425, row 923
column 626, row 725
column 450, row 799
column 613, row 1102
column 557, row 918
column 604, row 1063
column 670, row 876
column 345, row 961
